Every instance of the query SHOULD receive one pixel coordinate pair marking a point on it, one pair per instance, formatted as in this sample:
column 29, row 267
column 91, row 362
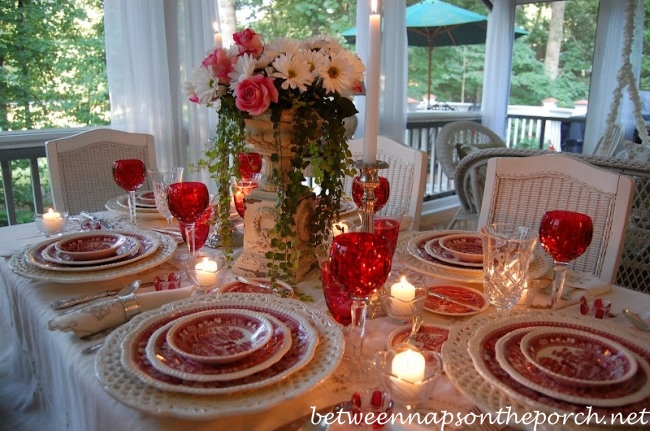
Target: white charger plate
column 131, row 391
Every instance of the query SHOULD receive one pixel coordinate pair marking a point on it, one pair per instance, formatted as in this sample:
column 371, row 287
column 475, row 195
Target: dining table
column 48, row 382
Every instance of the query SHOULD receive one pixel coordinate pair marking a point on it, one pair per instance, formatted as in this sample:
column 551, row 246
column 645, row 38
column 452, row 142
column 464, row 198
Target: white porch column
column 498, row 61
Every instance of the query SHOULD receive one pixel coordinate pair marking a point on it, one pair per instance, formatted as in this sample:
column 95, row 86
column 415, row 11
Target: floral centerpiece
column 307, row 84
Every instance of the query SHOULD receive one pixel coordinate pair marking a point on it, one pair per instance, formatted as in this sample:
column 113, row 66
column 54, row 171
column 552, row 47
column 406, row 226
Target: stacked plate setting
column 217, row 355
column 93, row 256
column 551, row 362
column 145, row 204
column 453, row 255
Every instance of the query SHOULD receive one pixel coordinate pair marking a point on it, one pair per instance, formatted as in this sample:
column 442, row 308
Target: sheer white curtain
column 394, row 67
column 150, row 48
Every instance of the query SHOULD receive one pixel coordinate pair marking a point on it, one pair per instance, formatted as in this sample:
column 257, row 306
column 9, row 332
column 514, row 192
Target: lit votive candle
column 403, row 290
column 53, row 222
column 408, row 366
column 206, row 272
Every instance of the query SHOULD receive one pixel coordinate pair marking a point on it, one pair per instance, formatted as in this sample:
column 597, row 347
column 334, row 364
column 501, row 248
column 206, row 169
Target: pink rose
column 220, row 65
column 255, row 94
column 248, row 42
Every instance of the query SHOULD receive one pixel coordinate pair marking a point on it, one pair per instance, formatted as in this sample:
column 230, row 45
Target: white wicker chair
column 462, row 135
column 406, row 174
column 634, row 269
column 80, row 166
column 520, row 190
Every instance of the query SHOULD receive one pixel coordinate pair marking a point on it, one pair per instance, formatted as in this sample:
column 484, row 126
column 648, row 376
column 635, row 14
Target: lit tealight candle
column 206, row 272
column 340, row 227
column 403, row 290
column 408, row 366
column 53, row 222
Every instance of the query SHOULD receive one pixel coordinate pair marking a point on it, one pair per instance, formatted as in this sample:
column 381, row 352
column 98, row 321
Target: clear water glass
column 160, row 181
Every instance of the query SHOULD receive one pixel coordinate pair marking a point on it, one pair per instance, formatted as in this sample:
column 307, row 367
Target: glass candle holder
column 409, row 374
column 205, row 273
column 402, row 300
column 52, row 223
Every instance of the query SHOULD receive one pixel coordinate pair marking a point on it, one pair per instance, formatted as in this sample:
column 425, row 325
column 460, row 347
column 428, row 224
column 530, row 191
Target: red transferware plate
column 466, row 247
column 428, row 337
column 89, row 245
column 457, row 295
column 578, row 358
column 219, row 336
column 511, row 359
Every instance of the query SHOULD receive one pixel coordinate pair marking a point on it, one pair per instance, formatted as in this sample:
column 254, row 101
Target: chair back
column 457, row 135
column 520, row 190
column 406, row 174
column 80, row 166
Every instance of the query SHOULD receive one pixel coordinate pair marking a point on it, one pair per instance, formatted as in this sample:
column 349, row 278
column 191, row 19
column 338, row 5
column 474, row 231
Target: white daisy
column 202, row 84
column 314, row 59
column 294, row 70
column 243, row 69
column 336, row 74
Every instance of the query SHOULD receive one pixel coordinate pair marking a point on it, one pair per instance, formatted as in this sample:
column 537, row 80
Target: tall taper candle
column 218, row 43
column 372, row 86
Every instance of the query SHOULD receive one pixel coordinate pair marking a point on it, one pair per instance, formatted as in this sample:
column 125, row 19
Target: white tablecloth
column 46, row 383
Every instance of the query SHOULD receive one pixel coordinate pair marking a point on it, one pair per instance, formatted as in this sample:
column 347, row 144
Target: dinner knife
column 453, row 301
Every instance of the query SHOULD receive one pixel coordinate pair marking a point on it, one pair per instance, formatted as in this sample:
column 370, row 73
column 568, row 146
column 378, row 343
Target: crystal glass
column 565, row 235
column 160, row 181
column 187, row 202
column 130, row 174
column 382, row 192
column 206, row 273
column 361, row 263
column 507, row 251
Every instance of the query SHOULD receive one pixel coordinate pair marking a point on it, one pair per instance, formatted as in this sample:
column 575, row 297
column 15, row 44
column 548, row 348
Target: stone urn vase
column 261, row 206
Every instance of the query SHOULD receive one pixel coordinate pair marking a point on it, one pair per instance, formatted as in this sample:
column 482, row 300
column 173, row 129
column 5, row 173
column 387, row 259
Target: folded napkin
column 582, row 284
column 112, row 312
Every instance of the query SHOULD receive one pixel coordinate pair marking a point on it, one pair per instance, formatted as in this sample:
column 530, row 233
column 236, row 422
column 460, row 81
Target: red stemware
column 337, row 299
column 240, row 190
column 360, row 262
column 201, row 229
column 130, row 174
column 187, row 202
column 565, row 235
column 382, row 192
column 249, row 164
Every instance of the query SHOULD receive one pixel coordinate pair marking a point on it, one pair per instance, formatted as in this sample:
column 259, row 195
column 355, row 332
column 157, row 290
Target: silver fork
column 566, row 295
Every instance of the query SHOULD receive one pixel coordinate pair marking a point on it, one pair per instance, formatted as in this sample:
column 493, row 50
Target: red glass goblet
column 130, row 174
column 240, row 190
column 187, row 202
column 249, row 164
column 382, row 192
column 565, row 236
column 337, row 299
column 360, row 262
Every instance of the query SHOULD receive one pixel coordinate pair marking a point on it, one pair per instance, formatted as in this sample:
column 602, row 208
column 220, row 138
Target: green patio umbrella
column 432, row 23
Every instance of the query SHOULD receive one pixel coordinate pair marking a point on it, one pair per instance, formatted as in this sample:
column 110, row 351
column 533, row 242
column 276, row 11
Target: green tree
column 52, row 64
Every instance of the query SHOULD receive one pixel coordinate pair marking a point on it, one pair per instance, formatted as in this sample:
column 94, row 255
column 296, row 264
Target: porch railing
column 532, row 129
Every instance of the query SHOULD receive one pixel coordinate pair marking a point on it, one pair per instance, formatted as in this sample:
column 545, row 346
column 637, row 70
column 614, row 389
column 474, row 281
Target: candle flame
column 215, row 26
column 373, row 6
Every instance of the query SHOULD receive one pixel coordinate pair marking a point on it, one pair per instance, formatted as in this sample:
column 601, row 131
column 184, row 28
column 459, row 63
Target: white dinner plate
column 120, row 205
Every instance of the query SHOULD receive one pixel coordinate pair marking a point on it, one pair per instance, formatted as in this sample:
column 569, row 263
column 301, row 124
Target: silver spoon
column 415, row 327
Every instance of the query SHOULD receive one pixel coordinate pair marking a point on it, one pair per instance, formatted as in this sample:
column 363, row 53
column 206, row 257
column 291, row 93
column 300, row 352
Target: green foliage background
column 53, row 71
